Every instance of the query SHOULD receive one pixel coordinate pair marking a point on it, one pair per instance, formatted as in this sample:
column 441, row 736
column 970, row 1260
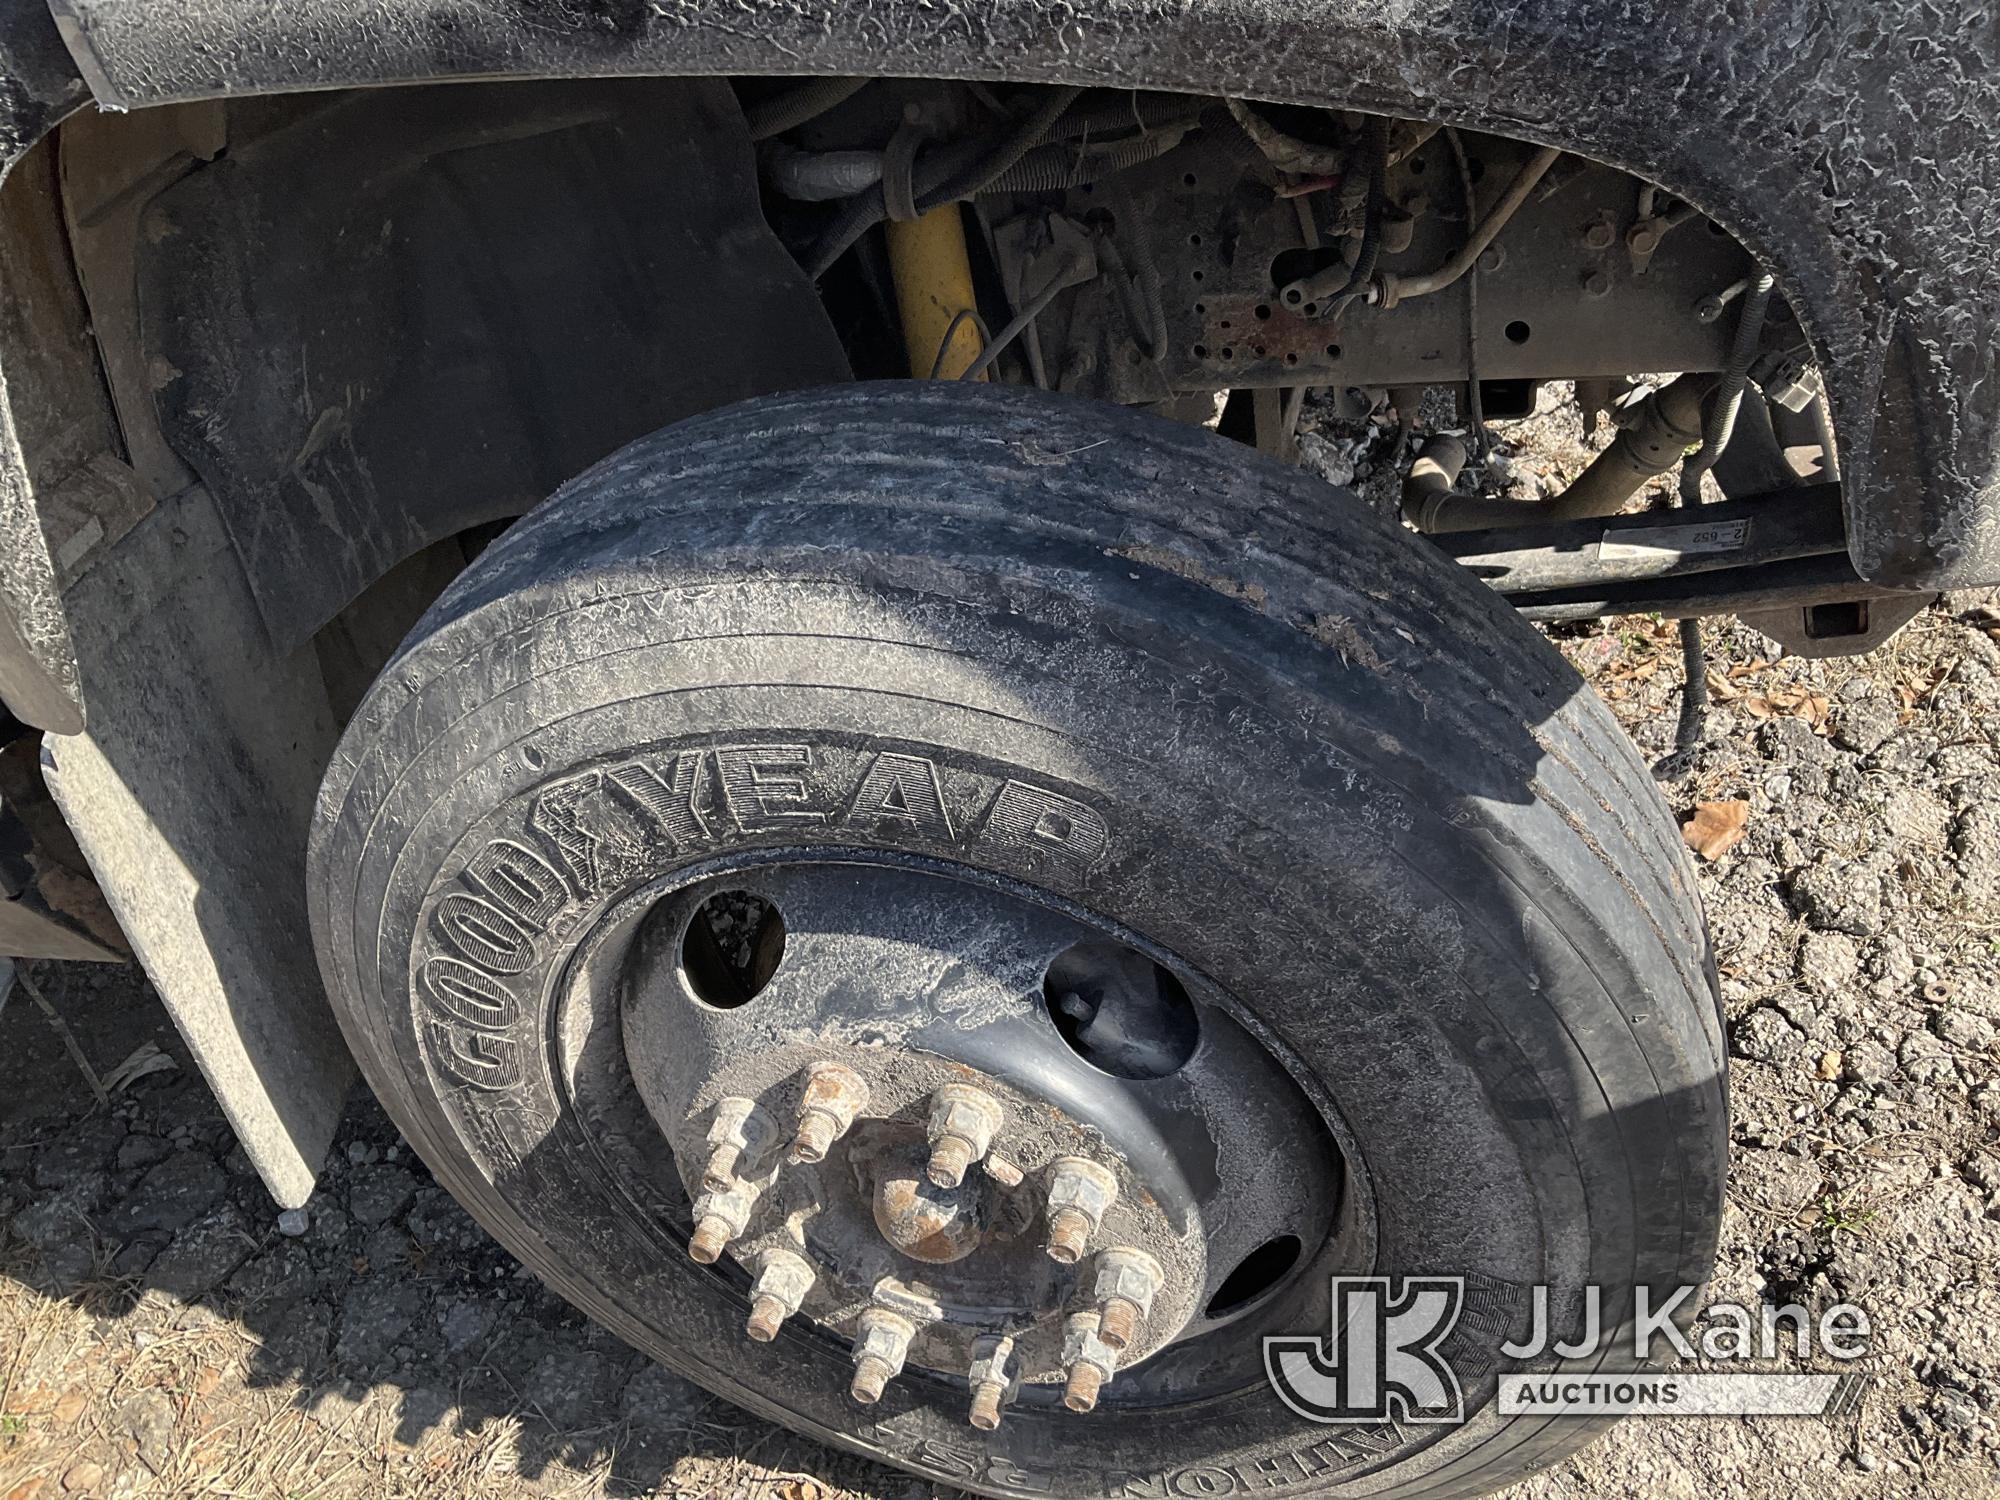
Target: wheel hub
column 903, row 1133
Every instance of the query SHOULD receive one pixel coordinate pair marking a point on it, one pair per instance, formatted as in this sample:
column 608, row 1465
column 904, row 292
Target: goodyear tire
column 1162, row 682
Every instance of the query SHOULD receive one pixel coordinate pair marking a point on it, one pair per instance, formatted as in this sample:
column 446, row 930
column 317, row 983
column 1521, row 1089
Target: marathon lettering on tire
column 491, row 928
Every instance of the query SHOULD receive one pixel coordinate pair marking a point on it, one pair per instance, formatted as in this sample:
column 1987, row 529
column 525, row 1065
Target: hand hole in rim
column 1255, row 1274
column 733, row 945
column 1119, row 1011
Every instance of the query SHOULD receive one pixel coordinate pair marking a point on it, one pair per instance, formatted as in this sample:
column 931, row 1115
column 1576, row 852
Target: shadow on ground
column 160, row 1332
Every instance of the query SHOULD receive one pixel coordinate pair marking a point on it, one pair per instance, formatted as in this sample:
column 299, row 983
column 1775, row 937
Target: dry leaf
column 1757, row 708
column 1829, row 1066
column 145, row 1060
column 1716, row 828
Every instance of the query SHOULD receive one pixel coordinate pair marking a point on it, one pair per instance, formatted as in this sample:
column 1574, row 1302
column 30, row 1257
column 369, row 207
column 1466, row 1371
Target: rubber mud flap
column 1115, row 661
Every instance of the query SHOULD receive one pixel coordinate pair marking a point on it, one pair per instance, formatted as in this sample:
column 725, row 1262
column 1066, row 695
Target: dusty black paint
column 513, row 284
column 1849, row 142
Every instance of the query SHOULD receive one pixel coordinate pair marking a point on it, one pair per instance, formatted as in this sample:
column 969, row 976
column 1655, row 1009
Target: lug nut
column 782, row 1284
column 963, row 1122
column 834, row 1095
column 989, row 1378
column 1079, row 1193
column 720, row 1218
column 1088, row 1361
column 1126, row 1282
column 740, row 1133
column 881, row 1341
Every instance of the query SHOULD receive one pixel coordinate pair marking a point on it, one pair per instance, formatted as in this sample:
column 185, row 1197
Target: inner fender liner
column 489, row 290
column 1848, row 143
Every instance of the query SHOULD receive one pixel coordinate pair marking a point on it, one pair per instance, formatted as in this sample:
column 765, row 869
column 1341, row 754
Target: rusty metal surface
column 1224, row 247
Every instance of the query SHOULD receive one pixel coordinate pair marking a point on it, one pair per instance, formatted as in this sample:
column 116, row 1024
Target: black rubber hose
column 1053, row 168
column 1059, row 283
column 1728, row 395
column 1694, row 688
column 1475, row 404
column 1140, row 112
column 1721, row 423
column 1032, row 128
column 1371, row 222
column 791, row 109
column 866, row 209
column 946, row 175
column 1139, row 289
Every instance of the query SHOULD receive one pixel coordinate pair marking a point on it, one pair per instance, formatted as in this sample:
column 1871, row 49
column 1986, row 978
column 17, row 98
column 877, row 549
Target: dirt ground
column 164, row 1332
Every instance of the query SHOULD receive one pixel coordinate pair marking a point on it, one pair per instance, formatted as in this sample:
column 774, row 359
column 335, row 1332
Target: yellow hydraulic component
column 933, row 286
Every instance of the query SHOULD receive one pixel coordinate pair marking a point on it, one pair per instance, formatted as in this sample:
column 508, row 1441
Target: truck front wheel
column 950, row 915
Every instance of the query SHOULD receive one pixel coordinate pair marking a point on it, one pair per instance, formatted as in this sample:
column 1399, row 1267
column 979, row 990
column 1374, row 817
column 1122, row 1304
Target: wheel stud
column 1088, row 1361
column 710, row 1235
column 720, row 1218
column 988, row 1378
column 834, row 1095
column 1126, row 1282
column 739, row 1133
column 963, row 1122
column 782, row 1284
column 1079, row 1193
column 881, row 1341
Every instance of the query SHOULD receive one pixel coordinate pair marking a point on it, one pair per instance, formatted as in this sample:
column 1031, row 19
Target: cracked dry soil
column 161, row 1334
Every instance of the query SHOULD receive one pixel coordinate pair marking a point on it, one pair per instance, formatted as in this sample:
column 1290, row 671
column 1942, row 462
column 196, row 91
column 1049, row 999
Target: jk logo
column 1380, row 1360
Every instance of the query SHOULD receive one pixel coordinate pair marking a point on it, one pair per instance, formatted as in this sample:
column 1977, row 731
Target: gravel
column 167, row 1330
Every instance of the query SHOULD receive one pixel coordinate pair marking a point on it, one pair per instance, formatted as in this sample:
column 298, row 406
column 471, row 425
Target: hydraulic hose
column 791, row 109
column 1138, row 289
column 1322, row 290
column 1015, row 144
column 1393, row 289
column 1073, row 272
column 1729, row 390
column 1054, row 167
column 820, row 176
column 1721, row 424
column 1475, row 403
column 946, row 175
